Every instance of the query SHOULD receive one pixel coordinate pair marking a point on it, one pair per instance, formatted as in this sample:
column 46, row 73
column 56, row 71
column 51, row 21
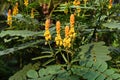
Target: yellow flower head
column 9, row 18
column 110, row 4
column 26, row 3
column 32, row 13
column 76, row 2
column 72, row 20
column 15, row 9
column 47, row 32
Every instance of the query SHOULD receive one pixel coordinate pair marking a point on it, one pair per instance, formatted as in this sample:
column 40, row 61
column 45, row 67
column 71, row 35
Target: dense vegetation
column 59, row 40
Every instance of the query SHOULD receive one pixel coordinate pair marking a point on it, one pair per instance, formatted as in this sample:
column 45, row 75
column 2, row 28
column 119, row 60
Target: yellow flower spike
column 72, row 31
column 72, row 20
column 32, row 13
column 58, row 38
column 26, row 3
column 47, row 32
column 67, row 39
column 15, row 9
column 9, row 18
column 110, row 4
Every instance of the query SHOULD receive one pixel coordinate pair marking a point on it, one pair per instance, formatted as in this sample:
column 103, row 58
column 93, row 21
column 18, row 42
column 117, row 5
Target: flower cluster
column 77, row 3
column 110, row 4
column 69, row 33
column 47, row 32
column 58, row 38
column 9, row 18
column 66, row 9
column 67, row 39
column 26, row 3
column 32, row 13
column 15, row 9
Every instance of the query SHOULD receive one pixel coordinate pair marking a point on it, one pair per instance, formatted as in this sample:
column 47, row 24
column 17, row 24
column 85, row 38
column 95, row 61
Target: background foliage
column 94, row 55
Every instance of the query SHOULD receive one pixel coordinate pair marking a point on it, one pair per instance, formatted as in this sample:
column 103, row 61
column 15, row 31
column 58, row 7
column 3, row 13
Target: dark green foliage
column 21, row 75
column 91, row 66
column 88, row 58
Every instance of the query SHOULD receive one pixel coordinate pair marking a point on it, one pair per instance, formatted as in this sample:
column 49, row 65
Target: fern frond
column 92, row 70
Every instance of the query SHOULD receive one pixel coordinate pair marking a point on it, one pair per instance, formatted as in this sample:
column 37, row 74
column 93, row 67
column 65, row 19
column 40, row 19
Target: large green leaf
column 95, row 71
column 32, row 74
column 112, row 25
column 19, row 47
column 22, row 33
column 95, row 51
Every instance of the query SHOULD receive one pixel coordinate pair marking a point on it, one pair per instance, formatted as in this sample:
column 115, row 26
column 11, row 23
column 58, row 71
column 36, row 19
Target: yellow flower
column 76, row 2
column 47, row 35
column 110, row 4
column 47, row 32
column 32, row 13
column 58, row 38
column 72, row 31
column 9, row 18
column 67, row 42
column 15, row 9
column 26, row 3
column 67, row 39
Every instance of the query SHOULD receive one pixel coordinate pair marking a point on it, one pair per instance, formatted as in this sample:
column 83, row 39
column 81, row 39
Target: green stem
column 68, row 56
column 65, row 59
column 51, row 48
